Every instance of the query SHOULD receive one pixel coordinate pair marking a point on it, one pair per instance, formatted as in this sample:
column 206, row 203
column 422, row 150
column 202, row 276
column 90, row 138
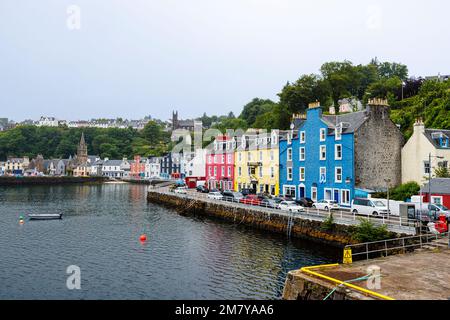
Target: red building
column 440, row 191
column 137, row 168
column 220, row 164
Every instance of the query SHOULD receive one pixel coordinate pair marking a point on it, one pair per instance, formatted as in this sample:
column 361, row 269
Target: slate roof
column 438, row 186
column 428, row 133
column 112, row 162
column 353, row 119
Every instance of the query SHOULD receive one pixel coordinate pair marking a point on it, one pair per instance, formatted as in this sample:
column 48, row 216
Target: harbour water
column 183, row 257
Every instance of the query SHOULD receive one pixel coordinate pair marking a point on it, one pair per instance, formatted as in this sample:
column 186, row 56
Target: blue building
column 333, row 157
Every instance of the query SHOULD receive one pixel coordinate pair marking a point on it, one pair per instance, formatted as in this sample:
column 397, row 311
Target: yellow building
column 256, row 161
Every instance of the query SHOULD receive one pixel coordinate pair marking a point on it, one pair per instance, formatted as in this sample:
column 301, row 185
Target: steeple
column 82, row 154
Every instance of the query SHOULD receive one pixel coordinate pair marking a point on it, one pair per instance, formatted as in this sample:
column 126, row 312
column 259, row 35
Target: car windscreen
column 378, row 203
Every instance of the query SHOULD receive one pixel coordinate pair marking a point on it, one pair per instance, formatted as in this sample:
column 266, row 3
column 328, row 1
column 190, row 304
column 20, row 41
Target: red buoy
column 143, row 237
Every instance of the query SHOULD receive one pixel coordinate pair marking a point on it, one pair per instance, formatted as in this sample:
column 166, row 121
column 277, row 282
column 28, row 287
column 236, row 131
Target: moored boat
column 44, row 216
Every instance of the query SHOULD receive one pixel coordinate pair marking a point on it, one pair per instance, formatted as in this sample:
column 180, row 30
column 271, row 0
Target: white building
column 47, row 122
column 112, row 168
column 196, row 167
column 152, row 168
column 424, row 142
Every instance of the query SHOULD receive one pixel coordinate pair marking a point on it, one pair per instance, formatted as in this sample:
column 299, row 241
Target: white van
column 368, row 206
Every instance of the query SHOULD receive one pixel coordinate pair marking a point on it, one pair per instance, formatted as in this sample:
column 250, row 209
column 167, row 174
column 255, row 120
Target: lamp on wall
column 348, row 180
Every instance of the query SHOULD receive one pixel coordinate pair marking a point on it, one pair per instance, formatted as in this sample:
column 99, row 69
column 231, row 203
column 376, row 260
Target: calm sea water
column 183, row 258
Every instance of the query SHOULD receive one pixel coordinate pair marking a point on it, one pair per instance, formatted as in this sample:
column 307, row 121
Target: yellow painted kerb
column 369, row 292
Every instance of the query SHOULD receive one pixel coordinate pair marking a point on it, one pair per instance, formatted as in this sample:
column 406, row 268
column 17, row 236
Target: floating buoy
column 21, row 221
column 143, row 237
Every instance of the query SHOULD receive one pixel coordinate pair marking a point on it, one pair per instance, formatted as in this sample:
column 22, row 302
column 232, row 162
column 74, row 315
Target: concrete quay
column 421, row 275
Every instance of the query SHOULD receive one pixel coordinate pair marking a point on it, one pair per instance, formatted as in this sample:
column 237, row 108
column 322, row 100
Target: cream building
column 415, row 154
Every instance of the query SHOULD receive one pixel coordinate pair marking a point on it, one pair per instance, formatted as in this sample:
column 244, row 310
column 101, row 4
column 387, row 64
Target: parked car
column 215, row 195
column 291, row 206
column 202, row 189
column 251, row 199
column 368, row 207
column 439, row 209
column 326, row 205
column 247, row 191
column 305, row 202
column 181, row 190
column 232, row 196
column 269, row 203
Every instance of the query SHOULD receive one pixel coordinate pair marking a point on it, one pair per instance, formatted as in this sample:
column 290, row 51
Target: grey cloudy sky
column 132, row 58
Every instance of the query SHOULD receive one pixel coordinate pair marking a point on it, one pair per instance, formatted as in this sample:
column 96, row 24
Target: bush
column 400, row 193
column 366, row 231
column 328, row 224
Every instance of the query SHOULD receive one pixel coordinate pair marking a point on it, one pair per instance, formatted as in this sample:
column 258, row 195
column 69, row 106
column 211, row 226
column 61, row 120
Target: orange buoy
column 143, row 237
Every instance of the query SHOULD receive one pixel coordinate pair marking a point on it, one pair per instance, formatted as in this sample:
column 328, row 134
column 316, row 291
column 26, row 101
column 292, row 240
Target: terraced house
column 338, row 157
column 257, row 161
column 220, row 163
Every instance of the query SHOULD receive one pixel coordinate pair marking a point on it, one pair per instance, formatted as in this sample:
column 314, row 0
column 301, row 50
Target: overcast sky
column 133, row 58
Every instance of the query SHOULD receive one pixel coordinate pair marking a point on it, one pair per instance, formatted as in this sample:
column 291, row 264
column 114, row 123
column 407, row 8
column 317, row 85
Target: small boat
column 44, row 216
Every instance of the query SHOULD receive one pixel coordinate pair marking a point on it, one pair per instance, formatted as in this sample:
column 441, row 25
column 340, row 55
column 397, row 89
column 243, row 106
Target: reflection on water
column 184, row 257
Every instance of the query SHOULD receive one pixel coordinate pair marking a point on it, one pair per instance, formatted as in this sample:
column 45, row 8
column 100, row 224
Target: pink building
column 220, row 164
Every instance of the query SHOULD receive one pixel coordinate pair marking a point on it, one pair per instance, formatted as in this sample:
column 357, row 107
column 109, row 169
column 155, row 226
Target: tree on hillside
column 254, row 108
column 308, row 88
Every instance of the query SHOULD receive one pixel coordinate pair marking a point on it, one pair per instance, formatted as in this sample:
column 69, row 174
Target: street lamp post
column 387, row 185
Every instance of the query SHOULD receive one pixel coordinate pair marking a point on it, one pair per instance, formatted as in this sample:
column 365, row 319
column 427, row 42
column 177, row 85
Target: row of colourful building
column 335, row 157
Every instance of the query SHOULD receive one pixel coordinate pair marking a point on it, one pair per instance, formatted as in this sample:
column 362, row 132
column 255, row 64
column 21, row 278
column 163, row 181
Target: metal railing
column 384, row 247
column 394, row 223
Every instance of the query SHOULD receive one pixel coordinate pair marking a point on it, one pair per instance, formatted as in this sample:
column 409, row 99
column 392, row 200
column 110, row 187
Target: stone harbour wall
column 339, row 236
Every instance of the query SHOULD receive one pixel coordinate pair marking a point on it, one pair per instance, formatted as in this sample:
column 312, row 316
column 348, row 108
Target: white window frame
column 343, row 191
column 312, row 194
column 323, row 147
column 289, row 154
column 325, row 173
column 290, row 187
column 336, row 180
column 336, row 152
column 338, row 133
column 287, row 173
column 437, row 197
column 272, row 155
column 325, row 192
column 302, row 171
column 302, row 158
column 322, row 134
column 302, row 136
column 229, row 171
column 272, row 172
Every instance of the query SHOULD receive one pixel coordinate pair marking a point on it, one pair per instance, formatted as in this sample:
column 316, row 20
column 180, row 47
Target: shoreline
column 30, row 181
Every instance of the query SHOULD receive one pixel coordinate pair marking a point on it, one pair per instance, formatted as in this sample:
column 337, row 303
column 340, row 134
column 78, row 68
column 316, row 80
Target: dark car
column 202, row 189
column 305, row 202
column 246, row 192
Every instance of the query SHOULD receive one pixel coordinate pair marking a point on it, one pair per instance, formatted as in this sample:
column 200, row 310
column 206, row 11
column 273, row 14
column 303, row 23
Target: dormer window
column 274, row 139
column 338, row 132
column 302, row 136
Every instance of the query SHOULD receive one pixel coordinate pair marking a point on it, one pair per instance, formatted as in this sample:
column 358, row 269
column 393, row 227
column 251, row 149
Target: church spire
column 82, row 154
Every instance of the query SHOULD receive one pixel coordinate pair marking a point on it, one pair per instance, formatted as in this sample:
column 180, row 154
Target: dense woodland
column 335, row 80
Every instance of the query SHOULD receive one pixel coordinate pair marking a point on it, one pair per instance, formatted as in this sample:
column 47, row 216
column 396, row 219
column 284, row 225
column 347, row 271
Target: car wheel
column 355, row 211
column 313, row 206
column 375, row 213
column 326, row 208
